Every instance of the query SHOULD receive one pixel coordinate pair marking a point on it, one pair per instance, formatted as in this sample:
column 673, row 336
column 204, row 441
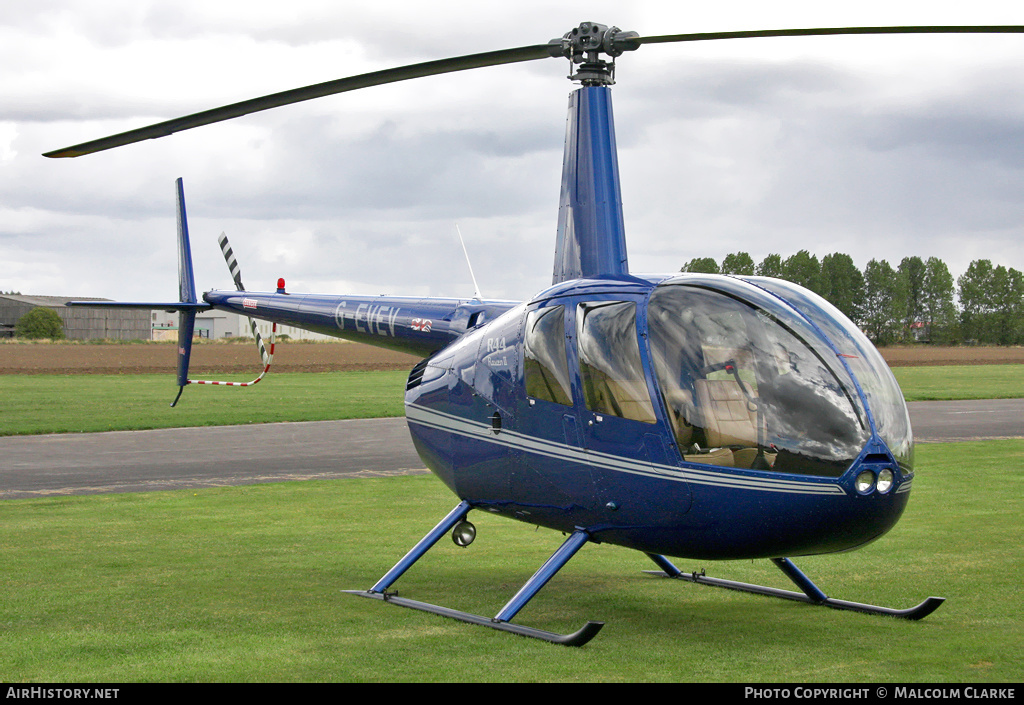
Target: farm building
column 223, row 324
column 79, row 323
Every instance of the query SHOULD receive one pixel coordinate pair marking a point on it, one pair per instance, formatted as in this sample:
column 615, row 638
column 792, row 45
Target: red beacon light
column 280, row 286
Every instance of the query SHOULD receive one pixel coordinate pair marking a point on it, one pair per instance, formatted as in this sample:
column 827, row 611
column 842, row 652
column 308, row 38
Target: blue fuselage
column 627, row 474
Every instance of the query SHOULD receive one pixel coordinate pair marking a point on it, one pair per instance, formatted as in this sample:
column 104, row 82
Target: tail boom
column 420, row 326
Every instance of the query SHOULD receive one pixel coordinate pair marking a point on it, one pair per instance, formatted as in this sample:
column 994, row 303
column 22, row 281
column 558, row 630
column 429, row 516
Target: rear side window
column 610, row 366
column 545, row 366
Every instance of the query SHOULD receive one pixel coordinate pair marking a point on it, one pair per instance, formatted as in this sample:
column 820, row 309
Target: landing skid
column 502, row 621
column 577, row 638
column 810, row 594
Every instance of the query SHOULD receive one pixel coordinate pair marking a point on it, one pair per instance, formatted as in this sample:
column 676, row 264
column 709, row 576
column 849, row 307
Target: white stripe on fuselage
column 530, row 444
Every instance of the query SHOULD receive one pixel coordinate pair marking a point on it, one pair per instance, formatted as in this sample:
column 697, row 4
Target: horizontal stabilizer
column 170, row 306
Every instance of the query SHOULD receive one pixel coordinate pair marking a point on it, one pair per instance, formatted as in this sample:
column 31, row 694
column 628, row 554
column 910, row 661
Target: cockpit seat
column 681, row 413
column 730, row 419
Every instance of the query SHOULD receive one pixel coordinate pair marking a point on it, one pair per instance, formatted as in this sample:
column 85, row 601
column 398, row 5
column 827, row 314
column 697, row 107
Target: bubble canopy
column 765, row 375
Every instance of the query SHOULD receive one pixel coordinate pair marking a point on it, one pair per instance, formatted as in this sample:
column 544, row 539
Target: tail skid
column 268, row 358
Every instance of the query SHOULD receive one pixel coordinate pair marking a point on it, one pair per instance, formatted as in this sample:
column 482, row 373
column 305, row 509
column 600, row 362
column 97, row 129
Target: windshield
column 885, row 399
column 747, row 382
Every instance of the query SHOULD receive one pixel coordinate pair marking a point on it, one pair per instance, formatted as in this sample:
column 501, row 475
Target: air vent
column 416, row 376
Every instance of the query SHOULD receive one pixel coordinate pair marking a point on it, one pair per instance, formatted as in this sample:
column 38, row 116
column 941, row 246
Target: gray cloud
column 751, row 148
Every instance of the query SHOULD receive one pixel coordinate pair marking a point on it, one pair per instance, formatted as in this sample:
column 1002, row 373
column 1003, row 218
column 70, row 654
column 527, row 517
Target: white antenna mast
column 476, row 287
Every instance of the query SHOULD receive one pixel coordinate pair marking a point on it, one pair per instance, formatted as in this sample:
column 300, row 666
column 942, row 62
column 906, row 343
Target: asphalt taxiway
column 138, row 461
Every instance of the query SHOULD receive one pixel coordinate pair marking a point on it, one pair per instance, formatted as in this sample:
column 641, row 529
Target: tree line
column 918, row 301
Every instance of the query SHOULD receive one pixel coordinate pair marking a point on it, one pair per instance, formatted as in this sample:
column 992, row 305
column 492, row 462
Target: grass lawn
column 952, row 382
column 242, row 584
column 73, row 403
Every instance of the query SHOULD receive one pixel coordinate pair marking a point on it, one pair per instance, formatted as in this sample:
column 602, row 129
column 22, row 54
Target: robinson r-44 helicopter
column 690, row 415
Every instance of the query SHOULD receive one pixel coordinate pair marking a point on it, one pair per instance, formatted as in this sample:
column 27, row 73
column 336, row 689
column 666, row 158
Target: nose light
column 885, row 478
column 865, row 482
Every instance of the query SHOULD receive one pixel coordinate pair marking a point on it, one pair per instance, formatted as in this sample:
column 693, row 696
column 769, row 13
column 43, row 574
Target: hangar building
column 79, row 323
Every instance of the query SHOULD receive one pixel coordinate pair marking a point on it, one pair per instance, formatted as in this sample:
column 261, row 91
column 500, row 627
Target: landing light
column 463, row 534
column 865, row 482
column 885, row 481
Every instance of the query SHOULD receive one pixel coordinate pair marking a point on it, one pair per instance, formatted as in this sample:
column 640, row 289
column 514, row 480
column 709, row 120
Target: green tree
column 1008, row 301
column 705, row 265
column 740, row 263
column 939, row 310
column 885, row 301
column 40, row 322
column 804, row 269
column 771, row 266
column 912, row 270
column 991, row 303
column 842, row 284
column 976, row 301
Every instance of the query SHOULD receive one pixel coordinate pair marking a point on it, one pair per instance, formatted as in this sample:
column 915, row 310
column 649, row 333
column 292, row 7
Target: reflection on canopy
column 748, row 383
column 544, row 366
column 610, row 366
column 885, row 400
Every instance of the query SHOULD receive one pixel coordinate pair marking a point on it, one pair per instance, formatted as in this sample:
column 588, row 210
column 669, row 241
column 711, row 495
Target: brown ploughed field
column 142, row 358
column 209, row 358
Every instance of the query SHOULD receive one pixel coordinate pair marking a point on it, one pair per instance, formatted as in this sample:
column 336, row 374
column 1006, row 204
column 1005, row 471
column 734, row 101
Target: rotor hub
column 584, row 45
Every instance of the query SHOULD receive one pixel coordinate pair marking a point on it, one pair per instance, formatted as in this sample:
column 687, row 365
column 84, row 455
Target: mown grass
column 75, row 403
column 953, row 382
column 32, row 404
column 243, row 585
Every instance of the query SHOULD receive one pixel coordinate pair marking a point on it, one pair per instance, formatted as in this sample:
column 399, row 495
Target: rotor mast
column 591, row 237
column 584, row 45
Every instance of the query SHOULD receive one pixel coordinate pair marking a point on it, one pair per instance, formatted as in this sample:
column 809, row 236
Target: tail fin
column 186, row 293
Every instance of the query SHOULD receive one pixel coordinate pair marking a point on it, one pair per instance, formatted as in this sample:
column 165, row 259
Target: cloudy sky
column 880, row 147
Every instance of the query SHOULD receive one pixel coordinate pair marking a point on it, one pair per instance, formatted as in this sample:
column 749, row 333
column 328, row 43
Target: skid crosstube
column 502, row 621
column 810, row 594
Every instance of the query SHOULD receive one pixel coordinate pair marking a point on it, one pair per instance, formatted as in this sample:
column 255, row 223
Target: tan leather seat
column 730, row 419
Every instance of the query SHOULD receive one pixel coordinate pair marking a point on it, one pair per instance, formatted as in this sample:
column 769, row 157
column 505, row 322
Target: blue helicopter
column 691, row 415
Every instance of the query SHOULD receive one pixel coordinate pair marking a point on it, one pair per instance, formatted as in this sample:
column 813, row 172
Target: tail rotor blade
column 236, row 274
column 229, row 257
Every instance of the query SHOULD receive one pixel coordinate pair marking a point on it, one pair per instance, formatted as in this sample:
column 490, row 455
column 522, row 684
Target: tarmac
column 141, row 461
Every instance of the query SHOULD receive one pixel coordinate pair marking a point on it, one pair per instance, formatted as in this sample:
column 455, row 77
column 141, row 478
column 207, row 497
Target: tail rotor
column 266, row 356
column 236, row 275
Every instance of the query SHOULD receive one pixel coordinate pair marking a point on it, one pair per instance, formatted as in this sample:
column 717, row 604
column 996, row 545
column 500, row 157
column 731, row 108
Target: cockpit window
column 892, row 420
column 546, row 367
column 747, row 383
column 610, row 366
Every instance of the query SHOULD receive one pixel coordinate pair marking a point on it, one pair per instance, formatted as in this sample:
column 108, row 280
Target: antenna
column 476, row 287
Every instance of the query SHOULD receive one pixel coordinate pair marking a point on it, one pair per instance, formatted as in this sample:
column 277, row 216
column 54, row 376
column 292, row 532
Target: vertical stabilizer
column 591, row 237
column 186, row 293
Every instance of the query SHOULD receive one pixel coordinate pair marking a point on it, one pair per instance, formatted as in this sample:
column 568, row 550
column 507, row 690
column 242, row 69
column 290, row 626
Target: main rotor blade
column 824, row 31
column 472, row 61
column 297, row 95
